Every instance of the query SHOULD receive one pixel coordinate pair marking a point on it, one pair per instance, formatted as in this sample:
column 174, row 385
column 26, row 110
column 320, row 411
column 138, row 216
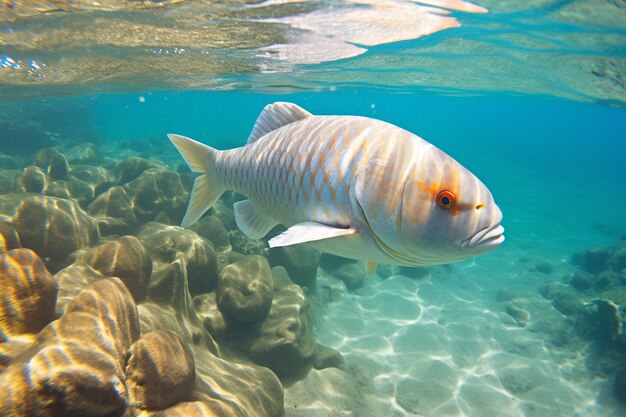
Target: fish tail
column 206, row 190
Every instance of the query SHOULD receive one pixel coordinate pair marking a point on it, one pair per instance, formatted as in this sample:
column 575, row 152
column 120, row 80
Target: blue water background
column 555, row 167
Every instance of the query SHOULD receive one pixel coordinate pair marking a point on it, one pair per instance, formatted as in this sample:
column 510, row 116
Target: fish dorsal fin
column 308, row 232
column 276, row 115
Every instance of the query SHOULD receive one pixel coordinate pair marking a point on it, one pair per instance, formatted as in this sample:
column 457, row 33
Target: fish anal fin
column 274, row 116
column 308, row 232
column 252, row 223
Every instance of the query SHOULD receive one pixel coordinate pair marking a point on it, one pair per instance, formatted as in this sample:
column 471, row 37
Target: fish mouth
column 485, row 239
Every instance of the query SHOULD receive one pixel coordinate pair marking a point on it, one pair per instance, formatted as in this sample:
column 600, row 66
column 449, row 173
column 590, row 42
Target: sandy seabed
column 473, row 339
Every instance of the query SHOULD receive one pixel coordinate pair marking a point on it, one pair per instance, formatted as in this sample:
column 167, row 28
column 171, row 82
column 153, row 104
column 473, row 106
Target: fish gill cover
column 571, row 49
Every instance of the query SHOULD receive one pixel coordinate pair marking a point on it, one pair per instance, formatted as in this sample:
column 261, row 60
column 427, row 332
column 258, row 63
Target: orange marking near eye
column 432, row 189
column 458, row 208
column 450, row 182
column 421, row 186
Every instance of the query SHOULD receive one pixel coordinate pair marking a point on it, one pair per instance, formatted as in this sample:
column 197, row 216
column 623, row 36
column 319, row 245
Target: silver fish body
column 352, row 186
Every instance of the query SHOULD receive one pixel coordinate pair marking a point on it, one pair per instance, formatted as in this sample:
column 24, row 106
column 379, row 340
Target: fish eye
column 446, row 199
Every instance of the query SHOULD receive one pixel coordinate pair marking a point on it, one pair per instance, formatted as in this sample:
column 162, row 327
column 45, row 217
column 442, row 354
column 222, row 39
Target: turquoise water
column 528, row 97
column 554, row 166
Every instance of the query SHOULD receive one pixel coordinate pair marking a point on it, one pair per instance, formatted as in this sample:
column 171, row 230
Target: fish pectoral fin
column 252, row 223
column 370, row 267
column 308, row 232
column 274, row 116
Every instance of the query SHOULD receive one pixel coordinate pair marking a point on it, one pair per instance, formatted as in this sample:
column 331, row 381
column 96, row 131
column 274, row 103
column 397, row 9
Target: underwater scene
column 313, row 208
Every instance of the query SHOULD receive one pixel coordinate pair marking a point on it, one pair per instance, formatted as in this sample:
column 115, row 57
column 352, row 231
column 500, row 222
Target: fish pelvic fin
column 205, row 191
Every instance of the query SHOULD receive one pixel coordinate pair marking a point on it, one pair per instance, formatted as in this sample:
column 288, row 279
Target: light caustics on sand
column 432, row 349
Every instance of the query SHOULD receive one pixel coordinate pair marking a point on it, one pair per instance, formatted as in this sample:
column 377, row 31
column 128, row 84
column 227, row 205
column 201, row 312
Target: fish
column 351, row 186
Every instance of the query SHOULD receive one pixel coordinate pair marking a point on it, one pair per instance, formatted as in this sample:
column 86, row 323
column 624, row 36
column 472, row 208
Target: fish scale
column 349, row 185
column 305, row 148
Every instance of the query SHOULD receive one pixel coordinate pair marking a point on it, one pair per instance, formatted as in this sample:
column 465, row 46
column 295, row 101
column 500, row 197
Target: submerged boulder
column 582, row 280
column 53, row 162
column 75, row 368
column 608, row 320
column 160, row 370
column 284, row 341
column 58, row 168
column 211, row 228
column 44, row 156
column 9, row 239
column 325, row 357
column 72, row 280
column 112, row 304
column 160, row 194
column 593, row 260
column 85, row 153
column 352, row 274
column 568, row 304
column 212, row 318
column 29, row 293
column 114, row 211
column 125, row 258
column 301, row 263
column 165, row 243
column 52, row 227
column 133, row 167
column 89, row 181
column 32, row 180
column 244, row 290
column 234, row 388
